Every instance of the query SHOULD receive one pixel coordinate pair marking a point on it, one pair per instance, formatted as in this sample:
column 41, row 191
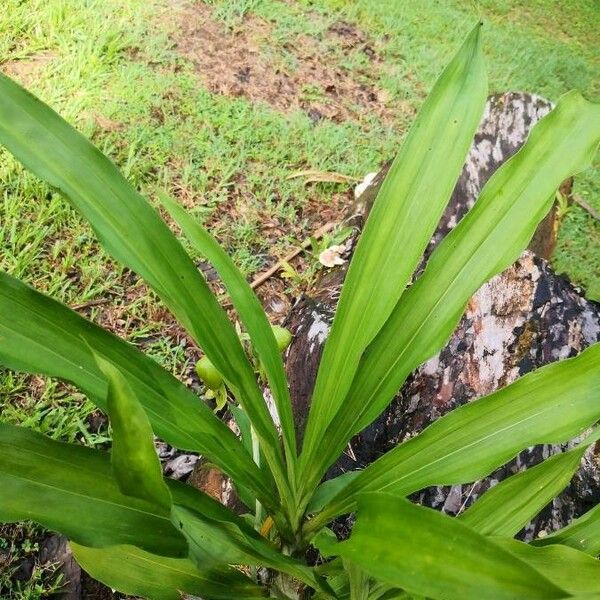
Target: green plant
column 213, row 380
column 153, row 537
column 19, row 544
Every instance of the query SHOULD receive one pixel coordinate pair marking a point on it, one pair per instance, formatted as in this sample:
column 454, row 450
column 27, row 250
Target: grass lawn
column 218, row 103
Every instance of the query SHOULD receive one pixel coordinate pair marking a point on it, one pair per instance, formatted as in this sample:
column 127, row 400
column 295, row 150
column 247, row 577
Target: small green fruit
column 282, row 336
column 211, row 378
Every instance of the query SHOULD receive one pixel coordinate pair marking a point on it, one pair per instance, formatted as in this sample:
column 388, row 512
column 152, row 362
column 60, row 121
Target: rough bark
column 522, row 319
column 55, row 550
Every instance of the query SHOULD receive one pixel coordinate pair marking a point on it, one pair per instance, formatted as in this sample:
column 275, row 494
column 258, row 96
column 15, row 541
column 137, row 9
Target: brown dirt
column 25, row 70
column 239, row 63
column 94, row 590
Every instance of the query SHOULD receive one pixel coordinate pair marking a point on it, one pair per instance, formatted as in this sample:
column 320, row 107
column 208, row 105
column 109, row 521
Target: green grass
column 111, row 68
column 19, row 558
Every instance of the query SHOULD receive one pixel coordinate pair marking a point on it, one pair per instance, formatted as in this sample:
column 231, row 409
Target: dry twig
column 262, row 277
column 586, row 206
column 314, row 176
column 90, row 303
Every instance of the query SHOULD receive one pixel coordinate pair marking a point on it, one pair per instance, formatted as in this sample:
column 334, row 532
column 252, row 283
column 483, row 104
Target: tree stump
column 522, row 319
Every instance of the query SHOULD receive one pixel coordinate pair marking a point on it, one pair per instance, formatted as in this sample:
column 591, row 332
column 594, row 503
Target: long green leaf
column 218, row 535
column 134, row 460
column 381, row 591
column 507, row 507
column 551, row 405
column 234, row 542
column 428, row 553
column 40, row 335
column 132, row 232
column 582, row 534
column 358, row 580
column 328, row 490
column 215, row 542
column 72, row 489
column 569, row 569
column 251, row 313
column 402, row 220
column 138, row 573
column 490, row 237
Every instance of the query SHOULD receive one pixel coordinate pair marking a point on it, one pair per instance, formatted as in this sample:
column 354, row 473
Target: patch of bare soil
column 25, row 70
column 304, row 75
column 94, row 590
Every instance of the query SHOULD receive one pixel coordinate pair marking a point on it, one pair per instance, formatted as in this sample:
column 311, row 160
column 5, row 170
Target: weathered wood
column 55, row 551
column 522, row 319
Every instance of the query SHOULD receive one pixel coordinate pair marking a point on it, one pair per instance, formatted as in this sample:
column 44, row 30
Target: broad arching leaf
column 433, row 555
column 233, row 542
column 134, row 460
column 72, row 489
column 138, row 573
column 133, row 233
column 551, row 405
column 571, row 570
column 582, row 533
column 40, row 335
column 511, row 504
column 487, row 240
column 251, row 314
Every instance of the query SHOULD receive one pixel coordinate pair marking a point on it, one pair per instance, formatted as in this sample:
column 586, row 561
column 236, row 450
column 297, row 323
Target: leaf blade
column 71, row 489
column 489, row 238
column 571, row 570
column 217, row 536
column 40, row 335
column 138, row 573
column 132, row 232
column 551, row 405
column 508, row 506
column 134, row 460
column 582, row 533
column 235, row 544
column 251, row 313
column 399, row 543
column 376, row 279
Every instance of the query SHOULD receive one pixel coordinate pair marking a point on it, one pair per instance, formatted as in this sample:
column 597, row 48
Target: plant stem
column 256, row 458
